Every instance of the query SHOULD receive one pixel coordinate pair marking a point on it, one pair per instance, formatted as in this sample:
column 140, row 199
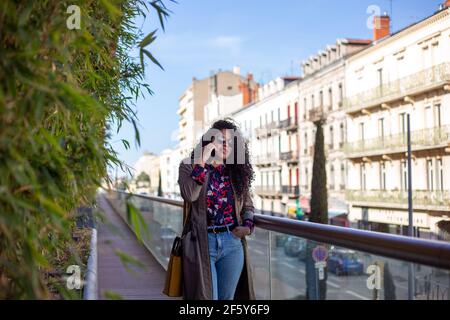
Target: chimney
column 381, row 27
column 446, row 4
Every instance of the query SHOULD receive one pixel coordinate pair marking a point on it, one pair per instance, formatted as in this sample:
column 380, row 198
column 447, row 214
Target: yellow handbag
column 173, row 286
column 174, row 274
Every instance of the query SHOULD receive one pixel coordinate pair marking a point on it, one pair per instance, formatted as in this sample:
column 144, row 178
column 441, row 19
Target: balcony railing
column 290, row 190
column 266, row 159
column 267, row 130
column 413, row 84
column 283, row 277
column 288, row 124
column 422, row 199
column 316, row 114
column 420, row 139
column 290, row 156
column 268, row 190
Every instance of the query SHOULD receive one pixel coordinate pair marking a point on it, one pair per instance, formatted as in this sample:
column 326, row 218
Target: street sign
column 321, row 266
column 320, row 253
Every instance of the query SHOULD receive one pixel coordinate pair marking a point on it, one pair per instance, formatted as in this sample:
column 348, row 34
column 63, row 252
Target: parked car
column 345, row 262
column 295, row 247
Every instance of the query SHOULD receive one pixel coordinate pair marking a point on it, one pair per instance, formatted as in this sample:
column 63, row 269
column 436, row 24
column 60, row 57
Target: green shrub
column 61, row 92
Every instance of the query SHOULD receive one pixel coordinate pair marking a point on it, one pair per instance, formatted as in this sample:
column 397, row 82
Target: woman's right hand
column 207, row 153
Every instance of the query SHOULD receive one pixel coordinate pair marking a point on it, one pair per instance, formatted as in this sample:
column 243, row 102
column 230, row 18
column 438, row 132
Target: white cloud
column 230, row 43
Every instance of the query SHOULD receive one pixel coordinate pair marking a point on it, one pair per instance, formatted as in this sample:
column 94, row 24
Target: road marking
column 350, row 292
column 258, row 251
column 288, row 265
column 335, row 285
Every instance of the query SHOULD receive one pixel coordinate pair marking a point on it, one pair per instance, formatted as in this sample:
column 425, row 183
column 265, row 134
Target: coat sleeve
column 189, row 188
column 248, row 209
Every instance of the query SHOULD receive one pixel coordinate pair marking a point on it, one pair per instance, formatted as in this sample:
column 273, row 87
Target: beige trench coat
column 197, row 282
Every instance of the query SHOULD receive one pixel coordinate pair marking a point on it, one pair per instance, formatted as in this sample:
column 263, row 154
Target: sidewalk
column 113, row 277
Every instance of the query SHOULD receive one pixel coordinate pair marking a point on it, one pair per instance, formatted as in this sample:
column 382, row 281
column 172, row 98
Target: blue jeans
column 227, row 261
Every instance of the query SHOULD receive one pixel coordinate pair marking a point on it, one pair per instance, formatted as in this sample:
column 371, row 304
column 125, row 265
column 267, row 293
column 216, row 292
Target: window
column 306, row 177
column 342, row 176
column 381, row 128
column 403, row 124
column 341, row 95
column 404, row 175
column 332, row 177
column 321, row 98
column 305, row 149
column 361, row 131
column 382, row 176
column 305, row 108
column 430, row 175
column 331, row 138
column 342, row 134
column 330, row 99
column 437, row 110
column 380, row 77
column 312, row 101
column 362, row 176
column 440, row 175
column 429, row 117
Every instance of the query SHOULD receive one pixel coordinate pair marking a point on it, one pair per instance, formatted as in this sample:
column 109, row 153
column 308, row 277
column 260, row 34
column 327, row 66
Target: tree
column 144, row 178
column 316, row 289
column 160, row 192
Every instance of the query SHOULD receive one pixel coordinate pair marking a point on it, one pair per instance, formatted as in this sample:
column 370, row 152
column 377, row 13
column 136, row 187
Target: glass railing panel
column 163, row 221
column 347, row 274
column 259, row 256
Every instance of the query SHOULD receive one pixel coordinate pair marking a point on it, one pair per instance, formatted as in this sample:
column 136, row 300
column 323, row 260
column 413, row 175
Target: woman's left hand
column 241, row 231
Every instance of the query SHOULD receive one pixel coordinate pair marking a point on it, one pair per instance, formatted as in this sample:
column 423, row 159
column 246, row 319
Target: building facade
column 223, row 87
column 270, row 126
column 400, row 75
column 321, row 96
column 169, row 165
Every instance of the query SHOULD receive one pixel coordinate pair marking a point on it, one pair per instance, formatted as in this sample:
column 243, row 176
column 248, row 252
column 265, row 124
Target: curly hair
column 242, row 174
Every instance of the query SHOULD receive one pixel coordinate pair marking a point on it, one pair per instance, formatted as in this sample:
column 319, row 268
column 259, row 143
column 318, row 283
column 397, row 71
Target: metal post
column 410, row 211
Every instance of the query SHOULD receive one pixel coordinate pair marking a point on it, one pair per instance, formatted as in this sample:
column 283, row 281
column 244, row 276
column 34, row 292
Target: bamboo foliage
column 61, row 91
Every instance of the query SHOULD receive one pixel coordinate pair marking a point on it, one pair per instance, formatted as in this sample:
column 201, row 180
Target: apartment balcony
column 412, row 85
column 266, row 131
column 317, row 114
column 266, row 160
column 291, row 191
column 422, row 199
column 268, row 191
column 290, row 156
column 432, row 138
column 288, row 124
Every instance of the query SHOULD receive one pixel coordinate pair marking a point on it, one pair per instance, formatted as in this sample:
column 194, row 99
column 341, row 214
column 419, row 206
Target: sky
column 266, row 38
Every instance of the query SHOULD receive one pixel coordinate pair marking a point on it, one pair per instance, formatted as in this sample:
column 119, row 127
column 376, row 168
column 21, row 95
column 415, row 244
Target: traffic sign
column 320, row 253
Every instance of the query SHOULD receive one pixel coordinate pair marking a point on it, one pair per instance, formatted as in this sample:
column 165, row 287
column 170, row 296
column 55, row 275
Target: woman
column 214, row 183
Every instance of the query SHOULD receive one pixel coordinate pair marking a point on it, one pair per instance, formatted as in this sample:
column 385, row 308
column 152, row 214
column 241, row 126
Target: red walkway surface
column 114, row 279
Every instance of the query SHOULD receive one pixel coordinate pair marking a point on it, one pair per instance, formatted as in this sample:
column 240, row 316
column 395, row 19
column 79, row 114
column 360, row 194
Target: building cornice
column 408, row 30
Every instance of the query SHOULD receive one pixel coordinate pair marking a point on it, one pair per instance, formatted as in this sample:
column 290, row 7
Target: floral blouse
column 219, row 195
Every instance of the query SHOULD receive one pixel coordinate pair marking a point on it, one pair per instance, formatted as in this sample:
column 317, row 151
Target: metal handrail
column 426, row 252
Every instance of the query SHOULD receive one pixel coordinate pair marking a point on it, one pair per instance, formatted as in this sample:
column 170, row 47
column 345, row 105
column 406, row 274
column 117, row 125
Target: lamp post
column 410, row 211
